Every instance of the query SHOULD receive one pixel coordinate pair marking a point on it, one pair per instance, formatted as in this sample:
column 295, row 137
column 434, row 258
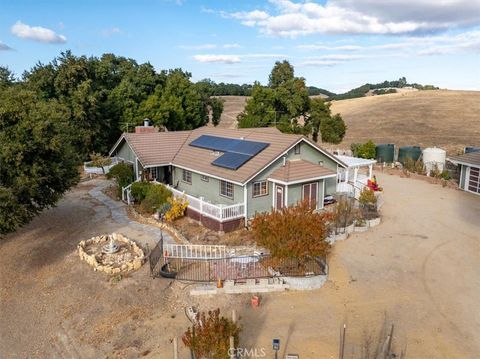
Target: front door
column 279, row 199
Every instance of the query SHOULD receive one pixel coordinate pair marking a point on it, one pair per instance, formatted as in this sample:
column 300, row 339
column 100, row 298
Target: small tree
column 100, row 161
column 209, row 337
column 122, row 173
column 343, row 212
column 366, row 150
column 368, row 203
column 293, row 232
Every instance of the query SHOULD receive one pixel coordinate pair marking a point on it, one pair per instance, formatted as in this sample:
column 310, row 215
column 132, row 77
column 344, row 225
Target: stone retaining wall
column 125, row 267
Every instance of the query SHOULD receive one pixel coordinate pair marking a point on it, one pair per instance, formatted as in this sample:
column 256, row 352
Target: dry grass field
column 442, row 118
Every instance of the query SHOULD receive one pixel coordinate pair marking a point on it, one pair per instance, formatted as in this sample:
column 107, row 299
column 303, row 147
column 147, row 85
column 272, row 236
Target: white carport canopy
column 355, row 163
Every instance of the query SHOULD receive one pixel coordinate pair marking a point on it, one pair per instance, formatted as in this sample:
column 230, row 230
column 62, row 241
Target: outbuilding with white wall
column 469, row 171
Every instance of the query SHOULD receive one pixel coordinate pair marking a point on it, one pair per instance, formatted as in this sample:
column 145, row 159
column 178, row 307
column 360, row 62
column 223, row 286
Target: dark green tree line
column 58, row 113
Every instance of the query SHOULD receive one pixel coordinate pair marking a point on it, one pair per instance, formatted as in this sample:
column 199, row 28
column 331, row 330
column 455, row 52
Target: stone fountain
column 113, row 253
column 111, row 247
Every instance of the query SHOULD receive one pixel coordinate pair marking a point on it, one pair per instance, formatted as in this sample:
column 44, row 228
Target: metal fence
column 232, row 268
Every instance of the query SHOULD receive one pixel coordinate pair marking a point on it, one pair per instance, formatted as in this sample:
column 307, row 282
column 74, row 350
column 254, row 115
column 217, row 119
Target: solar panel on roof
column 236, row 151
column 231, row 160
column 248, row 147
column 224, row 144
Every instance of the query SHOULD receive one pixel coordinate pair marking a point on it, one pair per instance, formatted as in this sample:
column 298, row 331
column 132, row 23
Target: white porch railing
column 195, row 251
column 216, row 211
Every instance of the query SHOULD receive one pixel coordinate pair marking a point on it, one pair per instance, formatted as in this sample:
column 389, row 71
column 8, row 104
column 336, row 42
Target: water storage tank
column 432, row 156
column 405, row 152
column 469, row 149
column 385, row 153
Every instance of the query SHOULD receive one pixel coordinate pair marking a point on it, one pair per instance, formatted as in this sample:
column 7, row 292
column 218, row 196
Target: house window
column 260, row 188
column 297, row 149
column 204, row 178
column 187, row 176
column 226, row 189
column 309, row 193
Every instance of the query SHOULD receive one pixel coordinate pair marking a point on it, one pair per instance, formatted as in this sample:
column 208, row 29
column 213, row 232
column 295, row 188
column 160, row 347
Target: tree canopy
column 285, row 103
column 58, row 113
column 37, row 158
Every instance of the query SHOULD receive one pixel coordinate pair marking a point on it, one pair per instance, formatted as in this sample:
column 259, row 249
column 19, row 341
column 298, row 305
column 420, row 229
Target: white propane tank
column 432, row 156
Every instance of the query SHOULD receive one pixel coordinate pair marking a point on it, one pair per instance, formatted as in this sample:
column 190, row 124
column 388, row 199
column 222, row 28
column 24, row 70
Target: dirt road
column 419, row 268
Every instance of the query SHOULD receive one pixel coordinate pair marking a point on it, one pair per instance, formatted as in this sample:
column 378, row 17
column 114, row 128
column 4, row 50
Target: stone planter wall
column 125, row 267
column 154, row 222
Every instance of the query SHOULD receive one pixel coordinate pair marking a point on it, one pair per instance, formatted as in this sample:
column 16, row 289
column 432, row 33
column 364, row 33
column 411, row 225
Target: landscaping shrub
column 178, row 205
column 368, row 203
column 445, row 175
column 209, row 337
column 414, row 166
column 363, row 150
column 139, row 190
column 155, row 198
column 293, row 232
column 367, row 197
column 97, row 160
column 343, row 212
column 122, row 173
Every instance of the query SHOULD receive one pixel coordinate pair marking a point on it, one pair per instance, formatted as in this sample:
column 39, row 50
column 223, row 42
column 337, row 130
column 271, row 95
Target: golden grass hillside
column 442, row 118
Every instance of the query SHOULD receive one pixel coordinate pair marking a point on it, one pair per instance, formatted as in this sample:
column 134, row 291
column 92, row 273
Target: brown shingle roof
column 162, row 148
column 156, row 148
column 200, row 160
column 472, row 158
column 300, row 170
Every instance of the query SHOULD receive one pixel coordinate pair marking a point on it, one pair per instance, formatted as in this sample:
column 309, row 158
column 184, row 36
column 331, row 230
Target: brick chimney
column 146, row 128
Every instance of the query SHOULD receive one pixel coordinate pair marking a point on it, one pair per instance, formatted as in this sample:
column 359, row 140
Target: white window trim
column 226, row 183
column 183, row 176
column 261, row 194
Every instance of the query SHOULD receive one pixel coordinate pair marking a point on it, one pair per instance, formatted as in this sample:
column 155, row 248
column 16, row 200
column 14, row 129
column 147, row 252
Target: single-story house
column 228, row 175
column 469, row 171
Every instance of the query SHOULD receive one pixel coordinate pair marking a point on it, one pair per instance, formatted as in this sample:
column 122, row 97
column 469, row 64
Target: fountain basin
column 111, row 253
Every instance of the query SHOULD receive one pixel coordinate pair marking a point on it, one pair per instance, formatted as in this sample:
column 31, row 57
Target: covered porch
column 299, row 180
column 355, row 177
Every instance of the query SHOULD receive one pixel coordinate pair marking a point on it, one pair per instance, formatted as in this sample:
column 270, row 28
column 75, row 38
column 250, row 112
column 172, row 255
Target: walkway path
column 119, row 214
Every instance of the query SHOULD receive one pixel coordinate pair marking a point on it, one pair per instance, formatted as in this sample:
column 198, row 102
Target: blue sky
column 334, row 44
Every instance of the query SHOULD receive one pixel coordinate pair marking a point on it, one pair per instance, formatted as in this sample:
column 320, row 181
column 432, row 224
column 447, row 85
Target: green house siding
column 295, row 193
column 126, row 152
column 308, row 153
column 210, row 190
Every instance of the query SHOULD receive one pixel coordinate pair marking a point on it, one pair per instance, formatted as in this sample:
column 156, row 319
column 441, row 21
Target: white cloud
column 225, row 59
column 4, row 47
column 293, row 19
column 110, row 32
column 320, row 63
column 325, row 47
column 232, row 59
column 198, row 47
column 338, row 57
column 36, row 33
column 232, row 46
